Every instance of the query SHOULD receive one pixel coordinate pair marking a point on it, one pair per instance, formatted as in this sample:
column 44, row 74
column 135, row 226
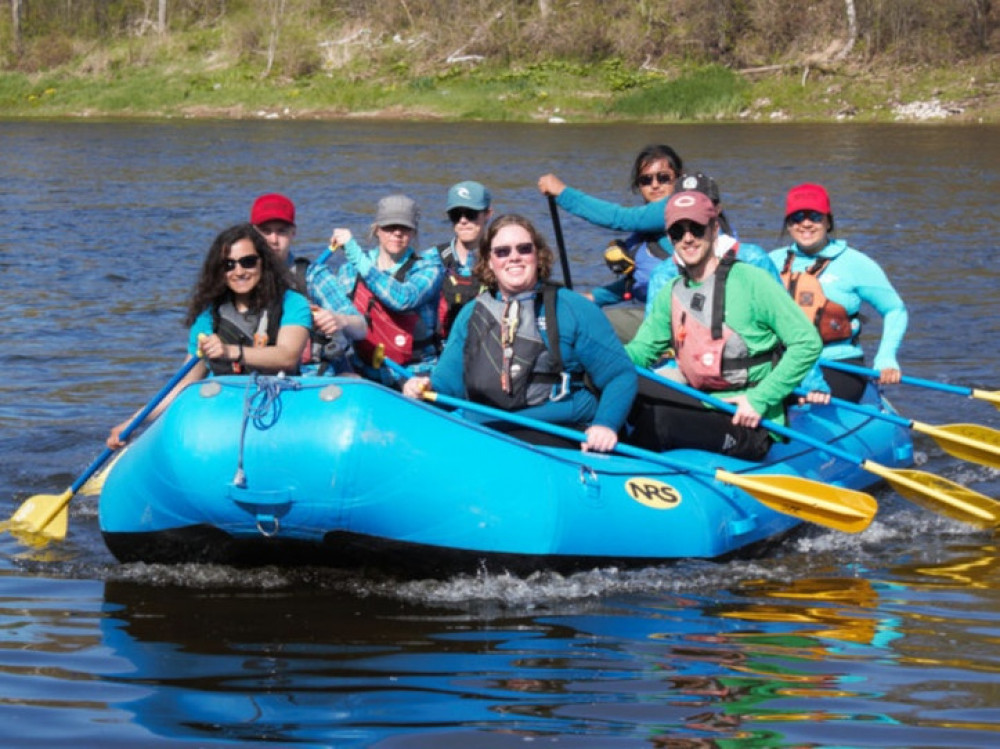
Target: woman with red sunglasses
column 243, row 315
column 528, row 346
column 830, row 280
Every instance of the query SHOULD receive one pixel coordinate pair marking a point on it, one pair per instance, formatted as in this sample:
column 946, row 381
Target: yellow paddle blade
column 43, row 513
column 993, row 396
column 972, row 442
column 835, row 507
column 938, row 494
column 95, row 484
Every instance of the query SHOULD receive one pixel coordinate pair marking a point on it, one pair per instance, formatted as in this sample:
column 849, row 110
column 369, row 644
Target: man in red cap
column 336, row 323
column 732, row 332
column 274, row 217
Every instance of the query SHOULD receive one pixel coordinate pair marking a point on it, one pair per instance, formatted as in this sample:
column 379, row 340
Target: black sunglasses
column 664, row 178
column 677, row 231
column 799, row 216
column 504, row 250
column 247, row 261
column 457, row 214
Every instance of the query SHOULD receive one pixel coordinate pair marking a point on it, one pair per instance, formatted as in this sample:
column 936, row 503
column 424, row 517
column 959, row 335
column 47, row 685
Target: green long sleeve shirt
column 764, row 315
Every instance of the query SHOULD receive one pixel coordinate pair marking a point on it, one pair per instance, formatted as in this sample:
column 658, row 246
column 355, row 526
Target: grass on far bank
column 151, row 82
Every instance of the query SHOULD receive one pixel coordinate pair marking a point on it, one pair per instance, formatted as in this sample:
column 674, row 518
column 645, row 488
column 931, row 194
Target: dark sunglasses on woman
column 457, row 214
column 799, row 216
column 247, row 261
column 664, row 178
column 504, row 250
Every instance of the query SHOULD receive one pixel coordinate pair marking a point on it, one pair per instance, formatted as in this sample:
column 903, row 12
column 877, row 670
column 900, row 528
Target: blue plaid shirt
column 417, row 292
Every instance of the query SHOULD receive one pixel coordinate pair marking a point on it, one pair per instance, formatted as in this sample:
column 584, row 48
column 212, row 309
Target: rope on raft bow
column 263, row 408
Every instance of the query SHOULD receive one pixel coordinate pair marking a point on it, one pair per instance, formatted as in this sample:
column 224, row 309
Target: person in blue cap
column 469, row 211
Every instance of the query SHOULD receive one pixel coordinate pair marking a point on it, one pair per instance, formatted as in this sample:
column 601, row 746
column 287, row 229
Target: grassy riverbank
column 248, row 67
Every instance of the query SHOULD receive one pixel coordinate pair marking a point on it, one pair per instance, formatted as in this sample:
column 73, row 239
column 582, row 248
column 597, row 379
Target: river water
column 887, row 638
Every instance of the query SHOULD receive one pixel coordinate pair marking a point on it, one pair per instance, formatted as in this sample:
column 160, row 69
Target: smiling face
column 242, row 280
column 516, row 272
column 693, row 245
column 811, row 233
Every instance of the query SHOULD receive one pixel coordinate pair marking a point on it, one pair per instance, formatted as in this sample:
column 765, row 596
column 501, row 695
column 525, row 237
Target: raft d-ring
column 274, row 523
column 588, row 475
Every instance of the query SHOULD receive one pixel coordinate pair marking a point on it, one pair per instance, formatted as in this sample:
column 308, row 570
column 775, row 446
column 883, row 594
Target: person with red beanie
column 830, row 280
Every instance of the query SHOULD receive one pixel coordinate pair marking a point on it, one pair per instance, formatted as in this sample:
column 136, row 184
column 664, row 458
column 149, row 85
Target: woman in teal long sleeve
column 528, row 346
column 830, row 280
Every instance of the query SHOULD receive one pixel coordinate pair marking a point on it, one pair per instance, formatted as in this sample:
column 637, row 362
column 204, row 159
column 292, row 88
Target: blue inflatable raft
column 348, row 473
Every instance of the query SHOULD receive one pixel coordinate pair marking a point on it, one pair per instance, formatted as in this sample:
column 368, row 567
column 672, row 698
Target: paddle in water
column 47, row 514
column 931, row 492
column 972, row 442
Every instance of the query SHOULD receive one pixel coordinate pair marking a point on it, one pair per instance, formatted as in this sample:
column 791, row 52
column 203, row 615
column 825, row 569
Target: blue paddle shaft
column 135, row 422
column 769, row 425
column 868, row 411
column 905, row 379
column 565, row 433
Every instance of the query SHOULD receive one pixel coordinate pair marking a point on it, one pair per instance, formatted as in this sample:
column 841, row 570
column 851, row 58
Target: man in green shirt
column 732, row 332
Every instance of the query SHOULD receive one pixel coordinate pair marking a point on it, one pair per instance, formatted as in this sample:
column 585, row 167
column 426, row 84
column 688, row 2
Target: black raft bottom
column 208, row 545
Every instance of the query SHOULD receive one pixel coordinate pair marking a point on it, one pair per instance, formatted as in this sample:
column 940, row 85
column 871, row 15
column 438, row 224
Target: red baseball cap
column 272, row 207
column 807, row 197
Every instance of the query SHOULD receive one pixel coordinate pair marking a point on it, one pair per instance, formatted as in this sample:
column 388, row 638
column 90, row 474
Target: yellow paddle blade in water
column 832, row 506
column 44, row 514
column 939, row 494
column 972, row 442
column 95, row 484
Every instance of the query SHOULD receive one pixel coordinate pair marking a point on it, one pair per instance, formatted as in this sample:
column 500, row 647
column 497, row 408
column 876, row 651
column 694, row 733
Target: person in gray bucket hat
column 395, row 287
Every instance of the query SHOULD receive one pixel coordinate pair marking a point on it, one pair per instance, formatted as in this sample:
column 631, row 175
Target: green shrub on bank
column 707, row 93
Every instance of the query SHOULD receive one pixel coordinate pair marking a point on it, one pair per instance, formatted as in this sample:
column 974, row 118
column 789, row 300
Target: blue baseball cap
column 468, row 195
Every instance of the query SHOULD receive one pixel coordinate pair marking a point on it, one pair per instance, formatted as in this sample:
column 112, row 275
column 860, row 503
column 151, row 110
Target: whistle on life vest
column 259, row 340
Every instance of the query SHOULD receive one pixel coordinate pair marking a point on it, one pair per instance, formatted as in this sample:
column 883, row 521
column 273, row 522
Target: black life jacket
column 535, row 373
column 297, row 274
column 250, row 329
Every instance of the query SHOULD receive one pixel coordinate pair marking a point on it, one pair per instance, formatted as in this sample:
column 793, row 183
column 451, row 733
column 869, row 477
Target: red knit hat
column 272, row 207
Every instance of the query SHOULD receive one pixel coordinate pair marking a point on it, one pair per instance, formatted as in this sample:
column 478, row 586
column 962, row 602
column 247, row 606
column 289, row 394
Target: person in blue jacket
column 244, row 316
column 529, row 346
column 830, row 280
column 649, row 220
column 653, row 176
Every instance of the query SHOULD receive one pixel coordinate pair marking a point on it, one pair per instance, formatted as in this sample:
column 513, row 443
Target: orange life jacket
column 830, row 318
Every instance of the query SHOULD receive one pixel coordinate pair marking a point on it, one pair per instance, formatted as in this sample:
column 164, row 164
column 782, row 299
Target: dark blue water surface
column 889, row 638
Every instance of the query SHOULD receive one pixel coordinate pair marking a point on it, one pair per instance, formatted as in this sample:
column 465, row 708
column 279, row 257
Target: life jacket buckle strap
column 561, row 389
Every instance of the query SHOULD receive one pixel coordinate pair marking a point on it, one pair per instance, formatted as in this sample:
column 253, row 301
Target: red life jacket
column 710, row 354
column 392, row 331
column 456, row 290
column 830, row 318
